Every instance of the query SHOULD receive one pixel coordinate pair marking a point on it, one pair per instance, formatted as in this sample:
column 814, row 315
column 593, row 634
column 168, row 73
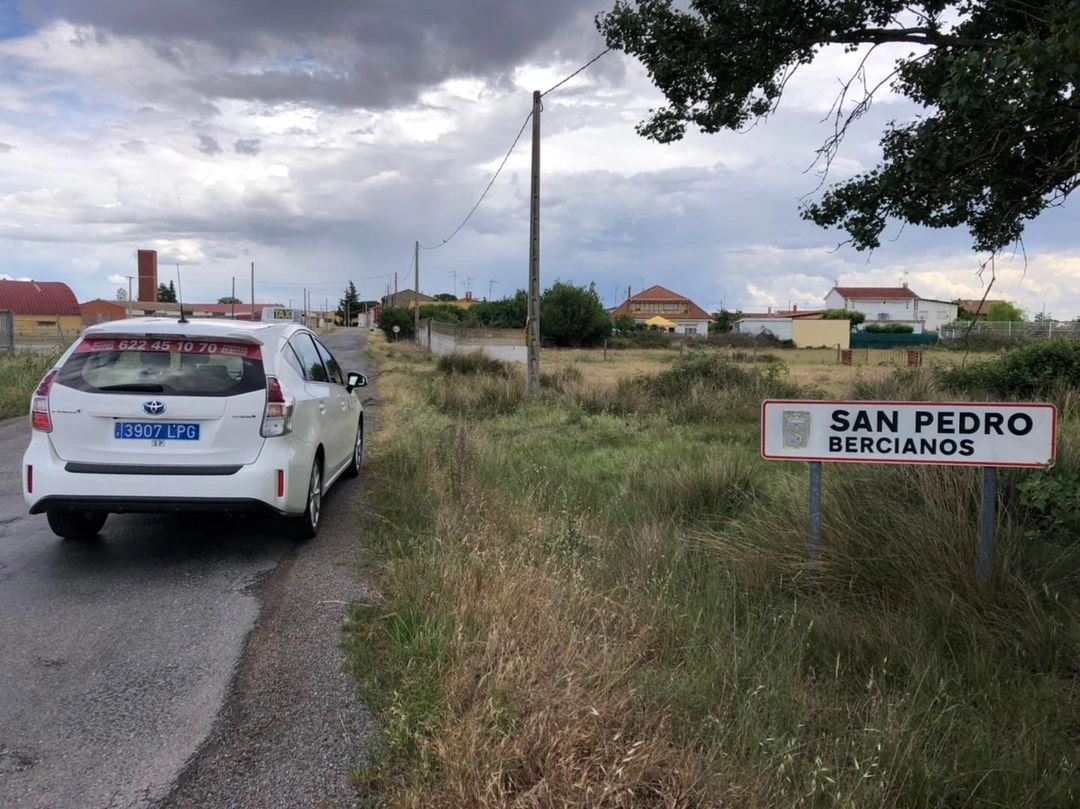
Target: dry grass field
column 601, row 598
column 815, row 368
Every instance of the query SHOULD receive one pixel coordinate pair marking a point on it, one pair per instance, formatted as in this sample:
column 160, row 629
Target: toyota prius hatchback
column 160, row 415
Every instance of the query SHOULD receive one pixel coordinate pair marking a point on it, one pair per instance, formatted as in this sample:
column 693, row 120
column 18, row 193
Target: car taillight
column 277, row 418
column 40, row 418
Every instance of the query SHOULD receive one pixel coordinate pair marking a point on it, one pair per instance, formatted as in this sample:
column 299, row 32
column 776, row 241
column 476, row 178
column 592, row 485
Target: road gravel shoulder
column 294, row 726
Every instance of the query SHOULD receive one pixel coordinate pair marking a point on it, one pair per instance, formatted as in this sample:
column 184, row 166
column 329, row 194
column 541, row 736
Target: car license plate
column 156, row 431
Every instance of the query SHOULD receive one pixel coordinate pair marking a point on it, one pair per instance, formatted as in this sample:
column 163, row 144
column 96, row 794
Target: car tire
column 353, row 469
column 306, row 526
column 76, row 525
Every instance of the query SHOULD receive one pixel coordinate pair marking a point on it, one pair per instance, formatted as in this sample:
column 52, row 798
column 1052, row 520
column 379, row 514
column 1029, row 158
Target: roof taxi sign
column 952, row 433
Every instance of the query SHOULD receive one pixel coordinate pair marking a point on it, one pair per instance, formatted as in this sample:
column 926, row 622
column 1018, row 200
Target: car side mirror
column 355, row 380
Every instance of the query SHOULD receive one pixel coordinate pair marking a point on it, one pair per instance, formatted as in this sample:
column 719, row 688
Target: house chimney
column 148, row 283
column 903, row 284
column 769, row 311
column 795, row 308
column 468, row 294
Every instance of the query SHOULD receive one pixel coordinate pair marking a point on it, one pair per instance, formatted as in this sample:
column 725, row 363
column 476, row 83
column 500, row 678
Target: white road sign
column 953, row 433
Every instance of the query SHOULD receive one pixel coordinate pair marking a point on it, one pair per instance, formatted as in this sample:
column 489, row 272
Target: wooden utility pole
column 233, row 298
column 532, row 326
column 253, row 292
column 416, row 294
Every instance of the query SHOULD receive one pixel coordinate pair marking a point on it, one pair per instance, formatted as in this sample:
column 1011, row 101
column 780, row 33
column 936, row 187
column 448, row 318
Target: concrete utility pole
column 253, row 292
column 532, row 325
column 453, row 277
column 128, row 304
column 416, row 294
column 233, row 298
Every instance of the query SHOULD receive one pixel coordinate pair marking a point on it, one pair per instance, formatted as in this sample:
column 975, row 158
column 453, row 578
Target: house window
column 690, row 330
column 883, row 316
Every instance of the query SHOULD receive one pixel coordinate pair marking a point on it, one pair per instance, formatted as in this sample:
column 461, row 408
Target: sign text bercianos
column 953, row 433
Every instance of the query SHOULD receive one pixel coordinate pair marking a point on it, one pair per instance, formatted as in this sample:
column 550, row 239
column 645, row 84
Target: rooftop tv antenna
column 180, row 295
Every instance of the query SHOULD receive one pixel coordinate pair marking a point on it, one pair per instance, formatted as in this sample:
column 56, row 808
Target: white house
column 899, row 304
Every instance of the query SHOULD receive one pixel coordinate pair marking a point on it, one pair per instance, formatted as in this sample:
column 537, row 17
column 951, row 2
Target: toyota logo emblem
column 153, row 408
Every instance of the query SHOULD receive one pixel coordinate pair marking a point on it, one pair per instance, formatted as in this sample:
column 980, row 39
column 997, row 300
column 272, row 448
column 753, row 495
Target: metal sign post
column 815, row 512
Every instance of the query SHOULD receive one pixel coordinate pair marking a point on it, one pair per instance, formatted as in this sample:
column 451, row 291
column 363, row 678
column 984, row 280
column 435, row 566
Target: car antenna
column 180, row 294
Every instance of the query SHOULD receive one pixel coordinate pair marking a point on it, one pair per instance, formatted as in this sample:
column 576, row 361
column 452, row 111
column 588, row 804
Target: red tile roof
column 53, row 298
column 658, row 294
column 868, row 293
column 976, row 306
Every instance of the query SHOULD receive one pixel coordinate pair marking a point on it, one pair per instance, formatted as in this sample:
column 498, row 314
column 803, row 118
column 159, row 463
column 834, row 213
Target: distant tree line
column 570, row 316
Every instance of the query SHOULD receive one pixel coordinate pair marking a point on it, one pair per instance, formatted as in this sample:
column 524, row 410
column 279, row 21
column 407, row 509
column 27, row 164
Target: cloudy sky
column 320, row 138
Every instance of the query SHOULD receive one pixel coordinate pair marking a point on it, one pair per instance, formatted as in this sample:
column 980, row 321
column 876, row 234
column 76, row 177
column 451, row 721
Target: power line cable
column 583, row 67
column 510, row 151
column 494, row 177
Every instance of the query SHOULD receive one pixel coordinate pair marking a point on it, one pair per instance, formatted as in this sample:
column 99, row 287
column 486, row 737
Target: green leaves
column 998, row 143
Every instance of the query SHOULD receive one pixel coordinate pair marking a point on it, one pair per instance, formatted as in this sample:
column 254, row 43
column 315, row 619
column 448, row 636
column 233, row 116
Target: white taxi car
column 161, row 415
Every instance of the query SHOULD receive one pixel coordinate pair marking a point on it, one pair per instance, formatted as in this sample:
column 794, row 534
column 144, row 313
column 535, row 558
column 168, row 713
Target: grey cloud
column 6, row 147
column 250, row 146
column 341, row 52
column 208, row 146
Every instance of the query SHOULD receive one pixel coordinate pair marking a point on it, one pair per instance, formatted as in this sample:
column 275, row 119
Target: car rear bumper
column 55, row 484
column 152, row 505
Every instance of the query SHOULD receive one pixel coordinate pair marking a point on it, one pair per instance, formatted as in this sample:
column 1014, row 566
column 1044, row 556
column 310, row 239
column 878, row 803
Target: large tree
column 998, row 136
column 166, row 293
column 349, row 306
column 573, row 316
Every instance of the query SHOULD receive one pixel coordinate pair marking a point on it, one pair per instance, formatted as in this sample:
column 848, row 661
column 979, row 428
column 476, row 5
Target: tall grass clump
column 478, row 384
column 903, row 385
column 475, row 362
column 704, row 385
column 20, row 373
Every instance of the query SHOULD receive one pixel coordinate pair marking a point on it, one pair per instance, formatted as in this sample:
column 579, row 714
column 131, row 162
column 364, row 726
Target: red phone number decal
column 209, row 348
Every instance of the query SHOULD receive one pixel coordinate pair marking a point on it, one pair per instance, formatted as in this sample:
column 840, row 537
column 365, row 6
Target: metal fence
column 1034, row 330
column 7, row 330
column 45, row 335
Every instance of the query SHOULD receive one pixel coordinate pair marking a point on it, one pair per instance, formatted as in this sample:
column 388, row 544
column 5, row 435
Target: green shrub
column 476, row 362
column 399, row 316
column 1050, row 499
column 1035, row 370
column 646, row 338
column 20, row 374
column 890, row 328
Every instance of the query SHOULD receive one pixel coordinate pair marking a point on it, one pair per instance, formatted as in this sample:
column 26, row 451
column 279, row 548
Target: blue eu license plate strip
column 156, row 431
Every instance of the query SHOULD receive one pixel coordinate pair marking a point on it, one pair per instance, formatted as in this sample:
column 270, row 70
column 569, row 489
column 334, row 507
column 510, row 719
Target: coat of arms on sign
column 796, row 429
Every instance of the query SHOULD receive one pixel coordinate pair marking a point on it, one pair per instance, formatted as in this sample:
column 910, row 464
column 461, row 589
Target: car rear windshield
column 181, row 367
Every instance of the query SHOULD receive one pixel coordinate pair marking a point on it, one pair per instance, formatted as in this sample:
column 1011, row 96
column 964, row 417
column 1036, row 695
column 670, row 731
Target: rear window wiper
column 135, row 387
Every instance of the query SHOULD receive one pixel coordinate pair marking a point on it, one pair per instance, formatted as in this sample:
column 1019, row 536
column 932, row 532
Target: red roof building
column 875, row 293
column 46, row 298
column 688, row 317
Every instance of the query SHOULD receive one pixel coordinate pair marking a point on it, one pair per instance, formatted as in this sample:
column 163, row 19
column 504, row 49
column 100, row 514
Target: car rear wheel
column 76, row 525
column 353, row 469
column 307, row 525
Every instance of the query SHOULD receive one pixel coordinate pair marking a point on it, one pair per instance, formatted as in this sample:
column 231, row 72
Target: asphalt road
column 177, row 661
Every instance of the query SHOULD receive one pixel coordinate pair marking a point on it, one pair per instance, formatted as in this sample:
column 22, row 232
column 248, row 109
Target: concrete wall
column 812, row 333
column 779, row 326
column 500, row 344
